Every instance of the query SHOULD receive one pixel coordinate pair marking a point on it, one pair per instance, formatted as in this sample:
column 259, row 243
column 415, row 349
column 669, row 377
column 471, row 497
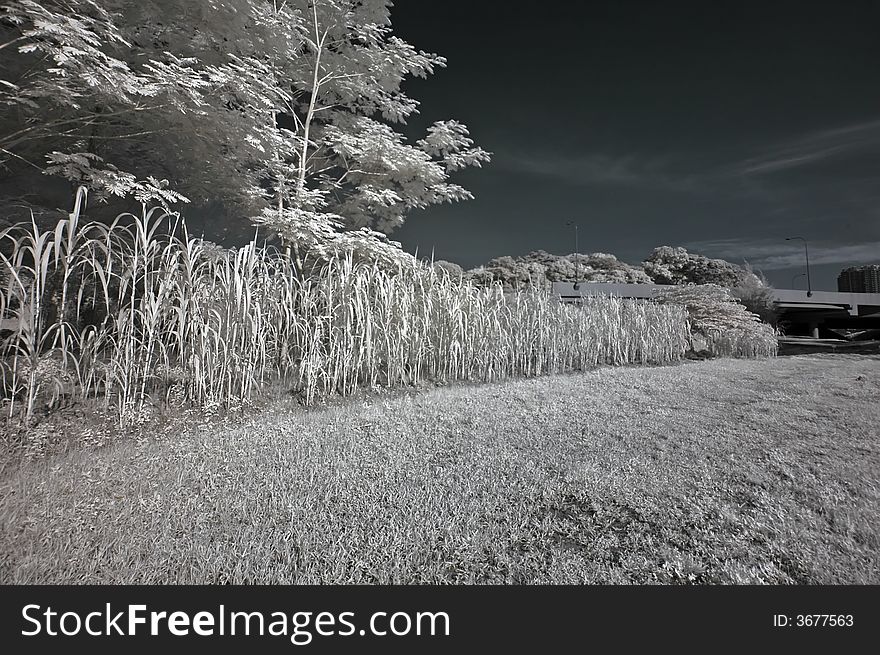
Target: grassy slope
column 762, row 471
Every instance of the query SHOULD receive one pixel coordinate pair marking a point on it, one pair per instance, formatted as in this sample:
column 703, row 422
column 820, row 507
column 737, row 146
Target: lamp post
column 807, row 256
column 577, row 267
column 795, row 277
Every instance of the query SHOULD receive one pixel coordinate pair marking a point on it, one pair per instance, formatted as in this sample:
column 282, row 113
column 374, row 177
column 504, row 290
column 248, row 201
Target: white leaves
column 450, row 140
column 309, row 229
column 450, row 193
column 279, row 110
column 78, row 159
column 471, row 157
column 78, row 39
column 80, row 168
column 376, row 157
column 157, row 190
column 380, row 197
column 445, row 137
column 370, row 246
column 182, row 84
column 255, row 142
column 723, row 324
column 668, row 265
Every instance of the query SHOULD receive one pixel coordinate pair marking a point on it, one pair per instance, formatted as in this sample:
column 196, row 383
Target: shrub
column 756, row 295
column 451, row 268
column 723, row 325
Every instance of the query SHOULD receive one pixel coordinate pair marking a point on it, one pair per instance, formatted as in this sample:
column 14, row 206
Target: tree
column 667, row 265
column 539, row 268
column 285, row 111
column 603, row 267
column 721, row 326
column 451, row 269
column 756, row 295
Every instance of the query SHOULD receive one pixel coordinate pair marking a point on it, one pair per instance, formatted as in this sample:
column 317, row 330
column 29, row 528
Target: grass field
column 722, row 471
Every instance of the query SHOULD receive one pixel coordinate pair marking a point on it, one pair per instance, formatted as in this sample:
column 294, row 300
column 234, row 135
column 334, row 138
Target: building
column 860, row 279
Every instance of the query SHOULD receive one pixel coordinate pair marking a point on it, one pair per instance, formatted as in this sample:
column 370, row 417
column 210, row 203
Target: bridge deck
column 855, row 304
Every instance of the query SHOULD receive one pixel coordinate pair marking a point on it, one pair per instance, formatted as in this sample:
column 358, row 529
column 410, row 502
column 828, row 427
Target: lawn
column 720, row 471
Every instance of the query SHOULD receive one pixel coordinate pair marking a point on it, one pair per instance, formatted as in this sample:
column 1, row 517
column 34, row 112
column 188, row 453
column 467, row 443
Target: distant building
column 860, row 279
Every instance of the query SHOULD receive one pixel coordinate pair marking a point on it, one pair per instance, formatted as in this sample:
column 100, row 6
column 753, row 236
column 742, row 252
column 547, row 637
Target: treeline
column 665, row 265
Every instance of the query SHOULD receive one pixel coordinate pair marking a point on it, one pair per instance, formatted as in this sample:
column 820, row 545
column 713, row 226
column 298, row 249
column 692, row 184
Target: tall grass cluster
column 140, row 312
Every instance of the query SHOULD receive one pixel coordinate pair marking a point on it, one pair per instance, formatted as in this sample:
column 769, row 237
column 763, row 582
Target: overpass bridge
column 798, row 312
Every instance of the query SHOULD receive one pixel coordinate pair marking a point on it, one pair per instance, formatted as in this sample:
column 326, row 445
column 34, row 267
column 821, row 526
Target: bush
column 759, row 300
column 721, row 326
column 756, row 295
column 453, row 269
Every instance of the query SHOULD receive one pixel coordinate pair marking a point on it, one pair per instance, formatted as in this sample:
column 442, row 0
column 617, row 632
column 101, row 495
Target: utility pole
column 807, row 255
column 577, row 266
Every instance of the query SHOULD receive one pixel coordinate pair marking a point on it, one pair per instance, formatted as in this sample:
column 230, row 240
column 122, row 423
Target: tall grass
column 139, row 312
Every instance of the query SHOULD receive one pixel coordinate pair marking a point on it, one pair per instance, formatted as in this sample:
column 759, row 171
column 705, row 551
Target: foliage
column 595, row 267
column 453, row 269
column 283, row 111
column 539, row 268
column 720, row 325
column 512, row 273
column 756, row 295
column 171, row 315
column 667, row 265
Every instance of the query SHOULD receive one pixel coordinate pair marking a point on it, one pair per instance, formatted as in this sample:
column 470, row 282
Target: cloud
column 813, row 148
column 601, row 169
column 773, row 256
column 708, row 172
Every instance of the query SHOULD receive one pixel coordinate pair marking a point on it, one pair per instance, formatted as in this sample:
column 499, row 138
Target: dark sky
column 719, row 126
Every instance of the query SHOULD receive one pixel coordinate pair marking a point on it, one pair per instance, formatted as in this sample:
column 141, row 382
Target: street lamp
column 577, row 268
column 807, row 255
column 795, row 277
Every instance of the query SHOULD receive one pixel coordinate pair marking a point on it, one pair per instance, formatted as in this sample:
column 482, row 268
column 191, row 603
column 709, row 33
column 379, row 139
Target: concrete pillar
column 814, row 330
